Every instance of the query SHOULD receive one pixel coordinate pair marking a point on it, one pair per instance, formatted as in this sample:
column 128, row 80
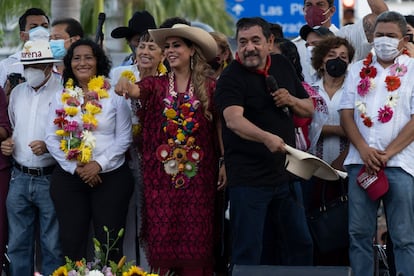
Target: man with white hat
column 28, row 200
column 33, row 25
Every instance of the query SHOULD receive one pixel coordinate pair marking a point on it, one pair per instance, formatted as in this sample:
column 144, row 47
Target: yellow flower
column 180, row 137
column 102, row 93
column 129, row 75
column 61, row 132
column 65, row 97
column 85, row 155
column 63, row 145
column 134, row 271
column 136, row 129
column 162, row 70
column 71, row 110
column 92, row 109
column 61, row 271
column 170, row 113
column 89, row 119
column 96, row 83
column 69, row 84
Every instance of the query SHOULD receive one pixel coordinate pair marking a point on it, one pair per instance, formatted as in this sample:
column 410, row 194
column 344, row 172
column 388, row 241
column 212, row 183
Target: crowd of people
column 186, row 134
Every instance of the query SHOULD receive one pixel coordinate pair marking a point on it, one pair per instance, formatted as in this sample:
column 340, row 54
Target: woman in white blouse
column 88, row 135
column 330, row 58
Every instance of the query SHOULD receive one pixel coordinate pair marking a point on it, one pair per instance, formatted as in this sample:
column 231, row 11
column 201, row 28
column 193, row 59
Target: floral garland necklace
column 78, row 140
column 366, row 84
column 180, row 155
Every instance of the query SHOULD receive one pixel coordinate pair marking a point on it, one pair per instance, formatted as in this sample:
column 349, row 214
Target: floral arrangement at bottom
column 101, row 266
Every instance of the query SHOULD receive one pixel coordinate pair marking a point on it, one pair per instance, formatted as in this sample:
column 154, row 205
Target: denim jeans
column 28, row 203
column 399, row 210
column 269, row 226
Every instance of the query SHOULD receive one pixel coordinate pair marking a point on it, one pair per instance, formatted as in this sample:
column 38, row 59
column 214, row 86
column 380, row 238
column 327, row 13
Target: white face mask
column 386, row 47
column 309, row 50
column 34, row 77
column 39, row 33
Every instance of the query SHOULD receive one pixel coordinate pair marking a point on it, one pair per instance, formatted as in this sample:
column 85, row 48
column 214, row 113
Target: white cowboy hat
column 35, row 52
column 197, row 35
column 305, row 165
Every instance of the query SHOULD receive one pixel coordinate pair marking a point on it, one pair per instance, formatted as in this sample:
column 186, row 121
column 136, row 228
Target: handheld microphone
column 272, row 86
column 99, row 33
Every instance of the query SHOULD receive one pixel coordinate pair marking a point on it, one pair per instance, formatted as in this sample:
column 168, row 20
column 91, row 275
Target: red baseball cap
column 375, row 185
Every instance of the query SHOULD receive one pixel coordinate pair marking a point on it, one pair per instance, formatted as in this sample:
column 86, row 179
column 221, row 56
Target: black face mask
column 336, row 67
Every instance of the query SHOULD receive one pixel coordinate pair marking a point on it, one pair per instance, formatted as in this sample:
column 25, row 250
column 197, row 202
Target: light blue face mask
column 39, row 33
column 58, row 48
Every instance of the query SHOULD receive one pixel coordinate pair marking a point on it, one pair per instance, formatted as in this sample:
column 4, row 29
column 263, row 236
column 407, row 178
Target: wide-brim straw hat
column 197, row 35
column 306, row 165
column 35, row 52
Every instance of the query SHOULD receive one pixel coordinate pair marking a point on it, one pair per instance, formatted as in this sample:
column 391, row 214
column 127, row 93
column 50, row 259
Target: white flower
column 392, row 100
column 88, row 139
column 95, row 273
column 77, row 92
column 171, row 167
column 361, row 106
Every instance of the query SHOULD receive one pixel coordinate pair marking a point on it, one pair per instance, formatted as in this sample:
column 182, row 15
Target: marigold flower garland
column 366, row 84
column 78, row 140
column 180, row 155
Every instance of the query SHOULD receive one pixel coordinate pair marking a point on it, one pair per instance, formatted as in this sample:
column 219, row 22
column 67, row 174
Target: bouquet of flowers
column 101, row 266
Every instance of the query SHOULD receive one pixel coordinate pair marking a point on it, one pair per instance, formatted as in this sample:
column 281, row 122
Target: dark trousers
column 269, row 227
column 77, row 205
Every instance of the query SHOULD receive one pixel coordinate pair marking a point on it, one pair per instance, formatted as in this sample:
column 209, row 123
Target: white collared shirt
column 28, row 113
column 380, row 135
column 113, row 134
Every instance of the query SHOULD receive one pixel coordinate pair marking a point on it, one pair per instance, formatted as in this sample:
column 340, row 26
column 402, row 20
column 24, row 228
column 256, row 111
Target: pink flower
column 398, row 70
column 364, row 86
column 71, row 126
column 60, row 112
column 385, row 114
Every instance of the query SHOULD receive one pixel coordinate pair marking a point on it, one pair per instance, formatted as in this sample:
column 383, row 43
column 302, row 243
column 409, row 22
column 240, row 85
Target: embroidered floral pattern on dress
column 366, row 84
column 180, row 155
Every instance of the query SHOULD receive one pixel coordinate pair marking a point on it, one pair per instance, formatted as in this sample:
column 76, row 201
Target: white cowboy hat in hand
column 306, row 165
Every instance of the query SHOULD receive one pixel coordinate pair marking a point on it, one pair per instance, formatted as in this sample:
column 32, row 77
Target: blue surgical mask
column 39, row 33
column 58, row 48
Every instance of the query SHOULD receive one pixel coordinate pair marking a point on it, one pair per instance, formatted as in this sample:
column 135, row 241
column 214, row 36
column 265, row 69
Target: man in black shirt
column 257, row 123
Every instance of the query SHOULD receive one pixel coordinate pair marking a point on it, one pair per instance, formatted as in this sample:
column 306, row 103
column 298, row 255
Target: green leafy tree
column 211, row 12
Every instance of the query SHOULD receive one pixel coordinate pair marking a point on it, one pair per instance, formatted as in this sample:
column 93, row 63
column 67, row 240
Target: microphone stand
column 99, row 36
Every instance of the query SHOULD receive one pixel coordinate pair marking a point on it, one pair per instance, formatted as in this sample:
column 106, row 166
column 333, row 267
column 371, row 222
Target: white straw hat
column 35, row 52
column 305, row 165
column 197, row 35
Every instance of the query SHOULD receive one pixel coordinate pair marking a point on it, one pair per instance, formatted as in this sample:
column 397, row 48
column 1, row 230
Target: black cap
column 320, row 30
column 137, row 25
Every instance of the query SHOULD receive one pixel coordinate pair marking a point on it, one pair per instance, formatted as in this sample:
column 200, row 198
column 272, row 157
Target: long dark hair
column 103, row 64
column 290, row 51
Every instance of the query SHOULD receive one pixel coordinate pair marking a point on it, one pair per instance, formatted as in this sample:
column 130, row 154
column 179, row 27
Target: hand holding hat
column 306, row 165
column 376, row 185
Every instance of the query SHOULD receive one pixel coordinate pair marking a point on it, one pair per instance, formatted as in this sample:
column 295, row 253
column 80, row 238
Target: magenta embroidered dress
column 178, row 211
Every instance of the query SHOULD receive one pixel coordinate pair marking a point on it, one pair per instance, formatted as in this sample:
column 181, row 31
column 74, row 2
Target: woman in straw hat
column 180, row 153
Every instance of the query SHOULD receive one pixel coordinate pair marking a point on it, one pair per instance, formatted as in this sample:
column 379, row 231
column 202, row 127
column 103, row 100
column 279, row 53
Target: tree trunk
column 65, row 8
